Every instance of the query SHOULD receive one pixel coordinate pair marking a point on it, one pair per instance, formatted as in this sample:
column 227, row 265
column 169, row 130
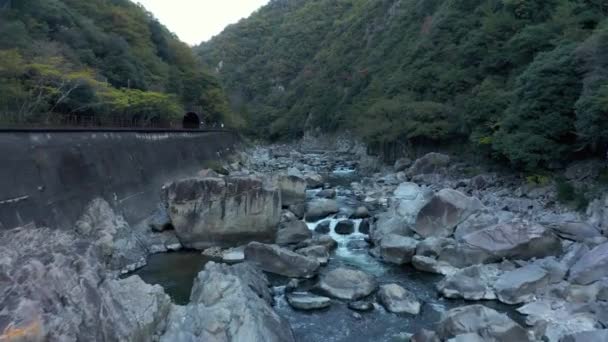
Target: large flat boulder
column 225, row 212
column 480, row 320
column 396, row 299
column 440, row 216
column 515, row 240
column 397, row 249
column 388, row 224
column 228, row 303
column 591, row 267
column 277, row 260
column 347, row 284
column 520, row 285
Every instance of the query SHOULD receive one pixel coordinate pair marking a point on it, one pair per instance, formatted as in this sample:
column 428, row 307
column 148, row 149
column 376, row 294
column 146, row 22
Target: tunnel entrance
column 191, row 121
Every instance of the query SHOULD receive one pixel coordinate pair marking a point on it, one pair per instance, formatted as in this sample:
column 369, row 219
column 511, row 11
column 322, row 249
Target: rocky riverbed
column 294, row 244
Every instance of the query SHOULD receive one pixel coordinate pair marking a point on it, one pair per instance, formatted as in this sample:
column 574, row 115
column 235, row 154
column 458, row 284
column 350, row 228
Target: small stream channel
column 176, row 272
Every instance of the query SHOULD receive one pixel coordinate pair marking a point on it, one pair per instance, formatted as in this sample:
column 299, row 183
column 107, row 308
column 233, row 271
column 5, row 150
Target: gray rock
column 292, row 232
column 345, row 227
column 323, row 227
column 364, row 226
column 407, row 201
column 360, row 213
column 274, row 259
column 471, row 337
column 574, row 253
column 425, row 336
column 327, row 193
column 397, row 249
column 591, row 267
column 307, row 301
column 319, row 253
column 228, row 303
column 54, row 287
column 347, row 284
column 520, row 285
column 396, row 299
column 556, row 270
column 432, row 247
column 322, row 240
column 483, row 321
column 388, row 224
column 361, row 305
column 472, row 283
column 481, row 220
column 320, row 208
column 234, row 255
column 293, row 189
column 516, row 240
column 160, row 220
column 223, row 211
column 577, row 231
column 430, row 163
column 598, row 214
column 313, row 180
column 587, row 336
column 430, row 265
column 299, row 210
column 121, row 247
column 402, row 164
column 444, row 212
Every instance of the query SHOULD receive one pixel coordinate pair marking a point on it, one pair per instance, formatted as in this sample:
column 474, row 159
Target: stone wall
column 49, row 177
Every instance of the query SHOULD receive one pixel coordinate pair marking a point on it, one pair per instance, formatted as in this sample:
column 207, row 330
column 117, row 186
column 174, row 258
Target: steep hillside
column 97, row 58
column 522, row 80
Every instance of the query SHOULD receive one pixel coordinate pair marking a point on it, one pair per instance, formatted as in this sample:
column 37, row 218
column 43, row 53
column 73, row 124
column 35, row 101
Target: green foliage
column 525, row 80
column 98, row 58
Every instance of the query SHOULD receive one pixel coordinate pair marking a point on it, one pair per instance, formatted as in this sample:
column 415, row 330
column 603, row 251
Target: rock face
column 444, row 212
column 347, row 284
column 516, row 240
column 397, row 249
column 320, row 208
column 54, row 287
column 293, row 189
column 223, row 211
column 293, row 232
column 591, row 267
column 273, row 259
column 518, row 286
column 396, row 299
column 228, row 303
column 121, row 247
column 430, row 163
column 480, row 320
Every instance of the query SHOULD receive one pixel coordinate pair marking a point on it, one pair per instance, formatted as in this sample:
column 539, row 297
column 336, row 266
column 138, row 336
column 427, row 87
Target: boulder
column 462, row 255
column 472, row 283
column 480, row 320
column 292, row 232
column 347, row 284
column 515, row 240
column 364, row 226
column 481, row 220
column 520, row 285
column 274, row 259
column 224, row 212
column 54, row 286
column 396, row 299
column 430, row 163
column 430, row 265
column 592, row 267
column 361, row 305
column 313, row 180
column 320, row 209
column 327, row 193
column 407, row 201
column 402, row 164
column 587, row 336
column 389, row 224
column 160, row 220
column 345, row 227
column 323, row 227
column 321, row 240
column 360, row 213
column 440, row 216
column 432, row 247
column 121, row 247
column 319, row 253
column 228, row 303
column 307, row 301
column 299, row 210
column 293, row 189
column 576, row 231
column 397, row 249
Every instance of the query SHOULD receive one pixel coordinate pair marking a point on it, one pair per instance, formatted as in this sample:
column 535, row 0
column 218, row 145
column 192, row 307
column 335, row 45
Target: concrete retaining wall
column 48, row 178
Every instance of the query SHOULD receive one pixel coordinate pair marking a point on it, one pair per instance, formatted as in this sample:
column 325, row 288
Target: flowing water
column 176, row 272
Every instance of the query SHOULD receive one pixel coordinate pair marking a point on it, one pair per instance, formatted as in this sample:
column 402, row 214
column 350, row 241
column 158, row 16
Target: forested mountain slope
column 522, row 80
column 106, row 59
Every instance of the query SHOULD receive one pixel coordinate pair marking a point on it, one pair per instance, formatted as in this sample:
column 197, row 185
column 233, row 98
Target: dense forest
column 520, row 80
column 104, row 60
